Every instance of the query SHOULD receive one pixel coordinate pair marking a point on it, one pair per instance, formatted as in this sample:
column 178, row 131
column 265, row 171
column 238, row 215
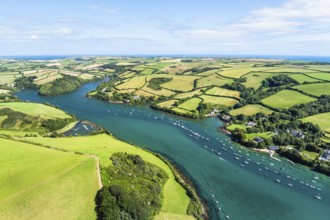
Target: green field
column 180, row 83
column 301, row 78
column 167, row 104
column 103, row 146
column 254, row 79
column 40, row 183
column 133, row 83
column 224, row 101
column 290, row 70
column 190, row 104
column 322, row 76
column 310, row 155
column 6, row 79
column 127, row 74
column 322, row 120
column 286, row 99
column 160, row 92
column 261, row 135
column 222, row 92
column 141, row 92
column 180, row 110
column 316, row 89
column 251, row 110
column 35, row 109
column 324, row 68
column 4, row 91
column 237, row 73
column 148, row 71
column 232, row 127
column 187, row 94
column 213, row 80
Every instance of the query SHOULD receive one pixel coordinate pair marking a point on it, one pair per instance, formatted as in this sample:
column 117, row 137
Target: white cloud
column 295, row 22
column 34, row 37
column 63, row 31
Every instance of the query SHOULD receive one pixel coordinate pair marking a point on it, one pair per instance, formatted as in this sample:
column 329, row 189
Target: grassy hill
column 32, row 117
column 103, row 146
column 41, row 183
column 62, row 173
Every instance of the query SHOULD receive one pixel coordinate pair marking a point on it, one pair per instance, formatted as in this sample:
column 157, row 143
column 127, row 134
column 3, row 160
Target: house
column 258, row 140
column 296, row 133
column 325, row 155
column 274, row 148
column 251, row 124
column 226, row 118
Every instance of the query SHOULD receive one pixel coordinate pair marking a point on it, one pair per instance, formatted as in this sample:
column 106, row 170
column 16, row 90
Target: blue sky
column 135, row 27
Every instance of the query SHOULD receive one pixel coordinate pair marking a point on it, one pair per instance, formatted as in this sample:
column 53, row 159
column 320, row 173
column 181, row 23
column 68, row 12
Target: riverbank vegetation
column 60, row 86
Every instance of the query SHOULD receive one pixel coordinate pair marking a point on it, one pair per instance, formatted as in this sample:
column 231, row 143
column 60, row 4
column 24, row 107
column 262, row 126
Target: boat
column 289, row 184
column 318, row 196
column 227, row 216
column 237, row 158
column 277, row 180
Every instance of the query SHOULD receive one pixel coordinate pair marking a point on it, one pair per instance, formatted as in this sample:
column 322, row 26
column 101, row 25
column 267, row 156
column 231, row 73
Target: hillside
column 71, row 170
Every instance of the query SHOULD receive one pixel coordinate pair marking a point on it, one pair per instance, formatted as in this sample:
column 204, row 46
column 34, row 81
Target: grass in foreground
column 175, row 198
column 40, row 183
column 286, row 99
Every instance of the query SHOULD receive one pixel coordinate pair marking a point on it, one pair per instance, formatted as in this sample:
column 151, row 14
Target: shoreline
column 267, row 151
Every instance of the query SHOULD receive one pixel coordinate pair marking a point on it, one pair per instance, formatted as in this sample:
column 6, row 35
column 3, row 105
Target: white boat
column 277, row 180
column 227, row 216
column 318, row 196
column 289, row 184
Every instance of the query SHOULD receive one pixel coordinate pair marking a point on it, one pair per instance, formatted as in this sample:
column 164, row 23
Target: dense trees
column 135, row 189
column 278, row 80
column 25, row 82
column 22, row 122
column 63, row 85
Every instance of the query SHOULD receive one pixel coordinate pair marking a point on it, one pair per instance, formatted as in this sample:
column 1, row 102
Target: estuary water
column 235, row 182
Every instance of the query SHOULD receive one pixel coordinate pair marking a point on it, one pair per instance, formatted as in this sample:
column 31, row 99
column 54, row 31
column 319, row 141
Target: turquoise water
column 240, row 182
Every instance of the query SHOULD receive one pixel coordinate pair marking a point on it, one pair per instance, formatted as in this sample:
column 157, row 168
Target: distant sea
column 286, row 57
